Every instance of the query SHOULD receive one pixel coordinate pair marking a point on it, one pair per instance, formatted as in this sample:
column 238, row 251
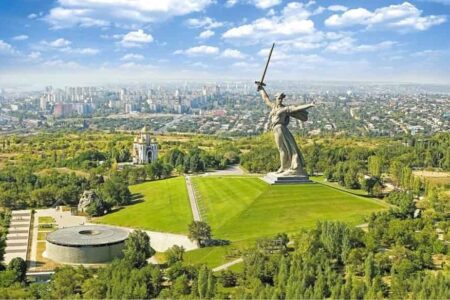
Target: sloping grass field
column 247, row 208
column 164, row 207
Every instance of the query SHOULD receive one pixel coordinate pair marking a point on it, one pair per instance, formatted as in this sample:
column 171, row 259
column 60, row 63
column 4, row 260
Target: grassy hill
column 164, row 207
column 247, row 208
column 243, row 209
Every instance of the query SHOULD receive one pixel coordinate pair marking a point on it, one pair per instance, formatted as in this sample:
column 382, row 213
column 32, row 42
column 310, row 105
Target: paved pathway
column 228, row 264
column 18, row 235
column 192, row 199
column 231, row 170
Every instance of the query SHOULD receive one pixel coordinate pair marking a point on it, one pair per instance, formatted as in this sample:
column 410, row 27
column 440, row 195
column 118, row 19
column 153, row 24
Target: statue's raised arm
column 265, row 97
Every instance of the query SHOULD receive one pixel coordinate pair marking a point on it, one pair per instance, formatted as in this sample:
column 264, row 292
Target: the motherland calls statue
column 292, row 168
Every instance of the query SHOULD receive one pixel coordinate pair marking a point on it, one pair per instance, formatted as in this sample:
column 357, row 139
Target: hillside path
column 192, row 199
column 228, row 264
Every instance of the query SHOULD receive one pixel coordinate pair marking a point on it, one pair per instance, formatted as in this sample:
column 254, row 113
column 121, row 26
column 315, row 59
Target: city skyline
column 90, row 42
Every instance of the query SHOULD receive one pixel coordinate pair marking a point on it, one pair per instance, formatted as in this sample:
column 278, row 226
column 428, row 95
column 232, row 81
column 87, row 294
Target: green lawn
column 222, row 198
column 240, row 209
column 165, row 207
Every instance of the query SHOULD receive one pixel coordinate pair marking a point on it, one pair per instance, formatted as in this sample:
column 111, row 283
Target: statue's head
column 279, row 98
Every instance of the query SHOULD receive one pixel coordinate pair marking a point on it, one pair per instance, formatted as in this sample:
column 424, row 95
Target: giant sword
column 261, row 82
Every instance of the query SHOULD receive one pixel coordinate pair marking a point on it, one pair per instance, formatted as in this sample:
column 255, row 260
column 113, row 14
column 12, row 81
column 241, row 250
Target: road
column 227, row 265
column 192, row 199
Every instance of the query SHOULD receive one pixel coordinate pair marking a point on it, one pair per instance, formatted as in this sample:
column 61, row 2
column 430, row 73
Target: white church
column 145, row 150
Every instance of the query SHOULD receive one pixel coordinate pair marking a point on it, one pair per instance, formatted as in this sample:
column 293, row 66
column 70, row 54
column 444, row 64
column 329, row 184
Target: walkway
column 192, row 199
column 230, row 170
column 161, row 241
column 18, row 235
column 227, row 265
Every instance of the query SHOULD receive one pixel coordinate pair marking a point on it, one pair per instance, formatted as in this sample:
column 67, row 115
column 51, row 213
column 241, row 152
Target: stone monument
column 292, row 164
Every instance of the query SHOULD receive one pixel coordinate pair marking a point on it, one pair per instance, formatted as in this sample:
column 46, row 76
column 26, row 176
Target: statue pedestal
column 274, row 178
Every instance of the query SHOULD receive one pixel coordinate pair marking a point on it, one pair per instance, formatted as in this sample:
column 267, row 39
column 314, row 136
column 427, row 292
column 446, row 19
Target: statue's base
column 274, row 178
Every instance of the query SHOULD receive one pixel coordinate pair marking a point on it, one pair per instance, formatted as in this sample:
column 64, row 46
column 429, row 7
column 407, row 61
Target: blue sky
column 79, row 42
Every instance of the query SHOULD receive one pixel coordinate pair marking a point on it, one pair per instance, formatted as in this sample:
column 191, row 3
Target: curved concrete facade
column 85, row 244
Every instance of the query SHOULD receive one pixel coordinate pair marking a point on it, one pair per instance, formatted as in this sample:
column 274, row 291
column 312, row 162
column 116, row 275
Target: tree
column 19, row 266
column 174, row 254
column 137, row 249
column 374, row 166
column 199, row 231
column 228, row 278
column 115, row 191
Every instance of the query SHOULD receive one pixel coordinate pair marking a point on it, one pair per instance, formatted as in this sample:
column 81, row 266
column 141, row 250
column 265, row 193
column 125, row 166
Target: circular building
column 89, row 244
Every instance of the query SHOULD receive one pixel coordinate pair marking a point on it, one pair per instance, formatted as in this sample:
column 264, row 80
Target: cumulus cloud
column 21, row 37
column 231, row 3
column 293, row 20
column 263, row 4
column 401, row 17
column 82, row 51
column 348, row 45
column 34, row 55
column 89, row 13
column 206, row 22
column 58, row 43
column 6, row 48
column 337, row 8
column 199, row 50
column 206, row 34
column 233, row 53
column 132, row 56
column 59, row 63
column 136, row 39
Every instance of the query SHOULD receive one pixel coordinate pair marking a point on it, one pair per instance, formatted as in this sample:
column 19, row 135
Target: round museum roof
column 87, row 235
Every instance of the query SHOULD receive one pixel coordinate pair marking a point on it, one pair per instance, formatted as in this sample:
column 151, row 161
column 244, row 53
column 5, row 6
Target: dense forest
column 399, row 257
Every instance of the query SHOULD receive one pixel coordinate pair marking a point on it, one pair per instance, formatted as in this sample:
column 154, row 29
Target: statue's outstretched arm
column 265, row 97
column 295, row 108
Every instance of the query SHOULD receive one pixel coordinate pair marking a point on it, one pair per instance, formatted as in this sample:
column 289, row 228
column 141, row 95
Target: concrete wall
column 83, row 255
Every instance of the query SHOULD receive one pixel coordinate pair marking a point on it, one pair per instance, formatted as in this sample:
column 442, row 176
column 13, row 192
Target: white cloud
column 233, row 53
column 428, row 53
column 205, row 22
column 199, row 50
column 21, row 37
column 244, row 64
column 348, row 45
column 263, row 4
column 292, row 21
column 6, row 48
column 337, row 8
column 231, row 3
column 132, row 56
column 32, row 16
column 58, row 43
column 82, row 51
column 401, row 17
column 59, row 63
column 88, row 13
column 206, row 34
column 136, row 39
column 34, row 55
